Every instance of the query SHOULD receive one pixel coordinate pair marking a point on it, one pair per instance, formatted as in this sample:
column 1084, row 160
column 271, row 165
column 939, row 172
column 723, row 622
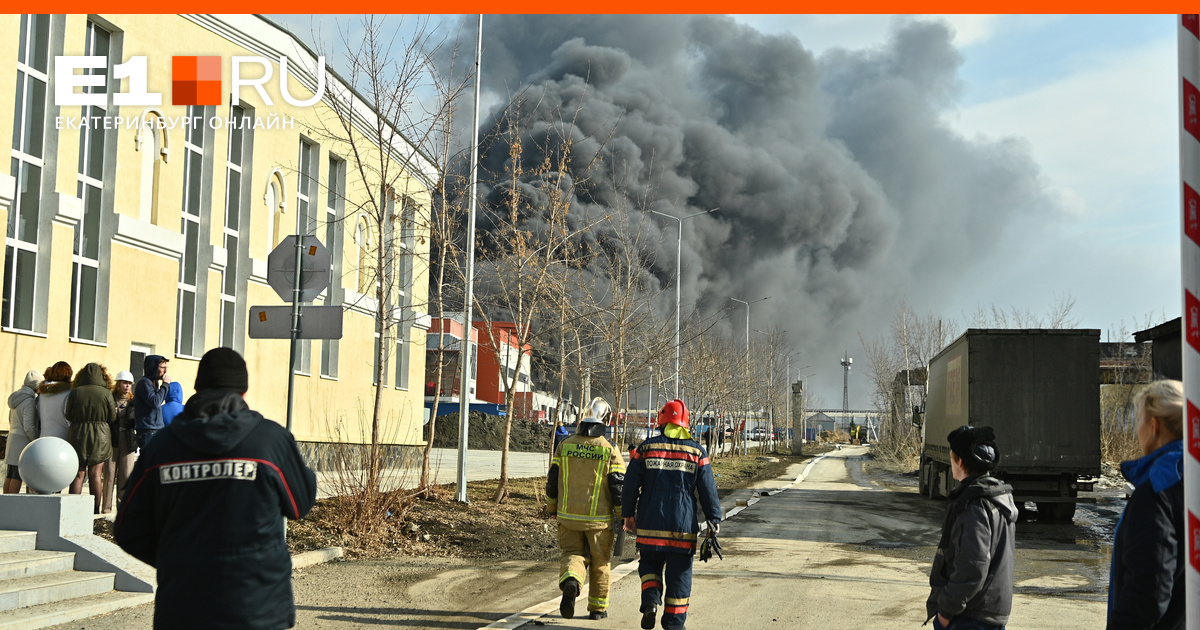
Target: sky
column 1076, row 114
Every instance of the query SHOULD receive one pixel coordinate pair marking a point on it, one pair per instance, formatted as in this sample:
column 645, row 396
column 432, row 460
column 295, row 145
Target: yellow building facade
column 137, row 229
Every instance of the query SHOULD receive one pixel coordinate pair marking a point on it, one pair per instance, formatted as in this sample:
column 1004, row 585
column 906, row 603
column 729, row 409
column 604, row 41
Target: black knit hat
column 222, row 368
column 976, row 446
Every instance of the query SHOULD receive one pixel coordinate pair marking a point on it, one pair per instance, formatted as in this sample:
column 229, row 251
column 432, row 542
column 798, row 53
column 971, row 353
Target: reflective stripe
column 676, row 601
column 655, row 533
column 676, row 610
column 599, row 601
column 570, row 574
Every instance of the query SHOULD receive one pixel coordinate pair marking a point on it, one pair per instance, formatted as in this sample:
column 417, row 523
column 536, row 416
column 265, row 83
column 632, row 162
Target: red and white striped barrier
column 1189, row 167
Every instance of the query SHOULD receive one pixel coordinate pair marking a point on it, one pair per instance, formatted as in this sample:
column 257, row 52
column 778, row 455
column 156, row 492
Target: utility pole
column 464, row 355
column 846, row 363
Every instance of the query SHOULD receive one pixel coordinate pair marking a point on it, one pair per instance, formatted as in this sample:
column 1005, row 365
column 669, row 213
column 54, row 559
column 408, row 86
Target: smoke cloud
column 840, row 186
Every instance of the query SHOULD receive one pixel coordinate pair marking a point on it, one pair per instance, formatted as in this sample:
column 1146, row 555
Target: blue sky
column 1094, row 96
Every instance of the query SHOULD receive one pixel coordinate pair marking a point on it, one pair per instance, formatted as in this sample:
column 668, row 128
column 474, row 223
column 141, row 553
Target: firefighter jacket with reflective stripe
column 584, row 482
column 666, row 477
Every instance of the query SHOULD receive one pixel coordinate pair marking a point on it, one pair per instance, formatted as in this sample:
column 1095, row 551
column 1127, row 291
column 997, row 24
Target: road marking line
column 541, row 610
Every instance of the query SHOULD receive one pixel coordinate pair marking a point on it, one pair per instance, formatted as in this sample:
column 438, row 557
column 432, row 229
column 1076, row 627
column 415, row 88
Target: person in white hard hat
column 117, row 470
column 583, row 490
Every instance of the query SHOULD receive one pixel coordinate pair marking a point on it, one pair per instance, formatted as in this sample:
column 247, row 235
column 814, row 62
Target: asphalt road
column 840, row 551
column 847, row 548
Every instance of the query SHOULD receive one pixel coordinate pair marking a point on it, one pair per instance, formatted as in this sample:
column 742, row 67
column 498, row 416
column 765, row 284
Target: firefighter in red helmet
column 666, row 473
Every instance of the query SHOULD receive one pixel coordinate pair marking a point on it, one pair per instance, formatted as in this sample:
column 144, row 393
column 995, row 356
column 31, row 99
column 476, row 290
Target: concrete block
column 64, row 522
column 316, row 556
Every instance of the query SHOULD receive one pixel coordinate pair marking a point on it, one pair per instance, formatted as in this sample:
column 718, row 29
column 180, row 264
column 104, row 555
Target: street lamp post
column 771, row 379
column 747, row 357
column 679, row 281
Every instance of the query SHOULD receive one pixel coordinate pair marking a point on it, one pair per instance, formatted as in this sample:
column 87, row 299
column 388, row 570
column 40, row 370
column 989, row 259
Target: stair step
column 11, row 540
column 42, row 589
column 66, row 611
column 17, row 564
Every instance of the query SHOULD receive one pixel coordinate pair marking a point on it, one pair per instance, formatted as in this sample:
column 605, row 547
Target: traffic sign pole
column 295, row 322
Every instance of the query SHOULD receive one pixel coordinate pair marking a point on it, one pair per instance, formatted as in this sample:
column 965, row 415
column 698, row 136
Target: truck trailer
column 1040, row 391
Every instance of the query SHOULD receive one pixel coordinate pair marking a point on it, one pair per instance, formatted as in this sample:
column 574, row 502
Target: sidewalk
column 481, row 465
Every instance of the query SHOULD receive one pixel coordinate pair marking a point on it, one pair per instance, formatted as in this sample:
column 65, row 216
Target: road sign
column 275, row 322
column 315, row 264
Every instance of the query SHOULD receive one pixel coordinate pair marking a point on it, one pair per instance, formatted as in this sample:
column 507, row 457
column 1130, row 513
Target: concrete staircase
column 41, row 588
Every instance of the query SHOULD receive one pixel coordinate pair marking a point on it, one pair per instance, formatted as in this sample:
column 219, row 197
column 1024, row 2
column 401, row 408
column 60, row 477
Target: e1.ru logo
column 195, row 80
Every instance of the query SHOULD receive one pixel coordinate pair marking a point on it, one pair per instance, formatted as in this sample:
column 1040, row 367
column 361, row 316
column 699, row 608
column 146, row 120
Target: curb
column 539, row 610
column 315, row 557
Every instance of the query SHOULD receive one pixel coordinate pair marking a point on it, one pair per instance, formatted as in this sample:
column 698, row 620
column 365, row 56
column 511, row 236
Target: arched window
column 154, row 145
column 276, row 201
column 364, row 268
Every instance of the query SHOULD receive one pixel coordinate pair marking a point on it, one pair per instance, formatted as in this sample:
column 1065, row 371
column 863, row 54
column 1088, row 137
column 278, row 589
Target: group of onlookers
column 106, row 420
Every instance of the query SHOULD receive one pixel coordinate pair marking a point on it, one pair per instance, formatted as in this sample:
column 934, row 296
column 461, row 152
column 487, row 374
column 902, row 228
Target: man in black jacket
column 971, row 584
column 204, row 506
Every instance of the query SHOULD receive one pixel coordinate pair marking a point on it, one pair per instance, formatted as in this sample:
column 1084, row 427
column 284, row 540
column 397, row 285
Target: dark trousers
column 962, row 623
column 143, row 437
column 657, row 567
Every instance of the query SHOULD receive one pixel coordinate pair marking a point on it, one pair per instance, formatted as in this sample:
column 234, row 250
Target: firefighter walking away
column 583, row 489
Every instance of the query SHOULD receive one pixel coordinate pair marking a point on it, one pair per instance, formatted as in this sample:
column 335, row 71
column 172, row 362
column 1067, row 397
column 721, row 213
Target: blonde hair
column 1162, row 400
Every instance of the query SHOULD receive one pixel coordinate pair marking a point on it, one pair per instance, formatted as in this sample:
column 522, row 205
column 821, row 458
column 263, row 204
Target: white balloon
column 48, row 464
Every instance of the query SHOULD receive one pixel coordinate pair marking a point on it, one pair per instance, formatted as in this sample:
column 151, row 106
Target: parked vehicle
column 1040, row 391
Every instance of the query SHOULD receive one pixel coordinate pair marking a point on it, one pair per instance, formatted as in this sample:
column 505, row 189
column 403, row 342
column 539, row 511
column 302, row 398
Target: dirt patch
column 487, row 433
column 513, row 530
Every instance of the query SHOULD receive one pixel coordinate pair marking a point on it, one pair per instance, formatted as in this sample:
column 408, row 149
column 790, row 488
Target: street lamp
column 771, row 377
column 679, row 281
column 748, row 353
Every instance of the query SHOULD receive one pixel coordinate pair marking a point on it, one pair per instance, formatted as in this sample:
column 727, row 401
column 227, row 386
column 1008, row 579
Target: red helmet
column 673, row 412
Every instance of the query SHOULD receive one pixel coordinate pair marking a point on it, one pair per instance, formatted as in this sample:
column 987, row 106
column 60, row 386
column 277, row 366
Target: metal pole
column 679, row 282
column 650, row 406
column 1189, row 165
column 464, row 388
column 787, row 403
column 295, row 319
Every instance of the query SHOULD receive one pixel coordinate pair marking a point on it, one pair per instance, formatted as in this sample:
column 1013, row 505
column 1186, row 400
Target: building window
column 232, row 234
column 402, row 362
column 85, row 268
column 305, row 224
column 189, row 267
column 408, row 218
column 378, row 372
column 362, row 241
column 335, row 193
column 29, row 126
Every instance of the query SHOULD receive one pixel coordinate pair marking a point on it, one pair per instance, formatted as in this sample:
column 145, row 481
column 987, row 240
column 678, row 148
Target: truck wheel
column 935, row 480
column 1056, row 512
column 923, row 479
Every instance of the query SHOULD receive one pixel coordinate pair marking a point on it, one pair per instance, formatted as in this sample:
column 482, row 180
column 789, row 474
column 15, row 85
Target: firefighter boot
column 597, row 614
column 570, row 590
column 648, row 613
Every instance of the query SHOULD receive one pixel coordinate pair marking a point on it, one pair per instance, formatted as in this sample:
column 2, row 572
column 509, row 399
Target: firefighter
column 584, row 491
column 666, row 474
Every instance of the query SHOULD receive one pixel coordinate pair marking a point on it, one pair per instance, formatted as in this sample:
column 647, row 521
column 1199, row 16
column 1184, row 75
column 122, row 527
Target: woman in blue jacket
column 1146, row 586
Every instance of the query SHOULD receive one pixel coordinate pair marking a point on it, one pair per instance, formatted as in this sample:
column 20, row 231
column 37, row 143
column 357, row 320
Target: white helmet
column 125, row 375
column 597, row 411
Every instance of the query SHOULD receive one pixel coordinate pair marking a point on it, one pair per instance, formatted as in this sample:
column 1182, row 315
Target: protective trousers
column 587, row 553
column 678, row 574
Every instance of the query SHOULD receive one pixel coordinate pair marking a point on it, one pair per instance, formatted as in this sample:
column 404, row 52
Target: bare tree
column 388, row 126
